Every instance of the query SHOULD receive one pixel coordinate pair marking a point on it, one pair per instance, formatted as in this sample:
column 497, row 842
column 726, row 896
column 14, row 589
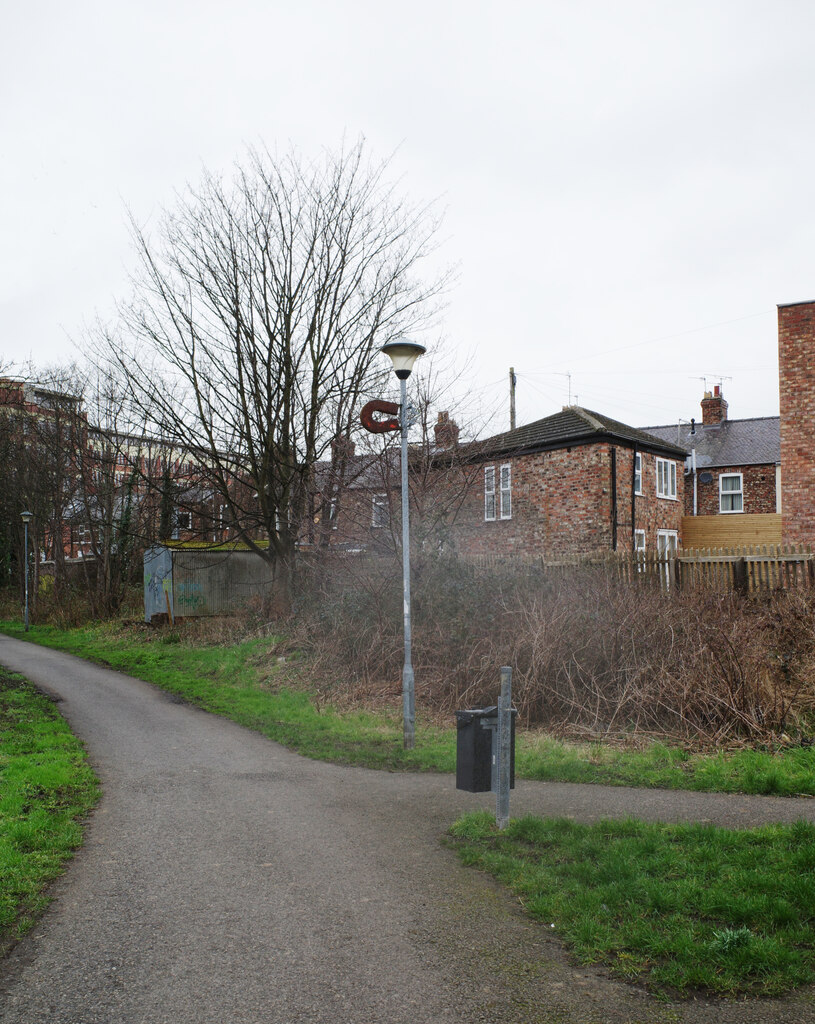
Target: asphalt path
column 225, row 879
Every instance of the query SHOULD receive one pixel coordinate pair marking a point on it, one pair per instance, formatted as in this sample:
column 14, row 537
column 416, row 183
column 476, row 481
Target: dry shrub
column 590, row 655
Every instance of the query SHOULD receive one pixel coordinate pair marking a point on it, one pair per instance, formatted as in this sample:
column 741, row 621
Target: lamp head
column 403, row 355
column 26, row 516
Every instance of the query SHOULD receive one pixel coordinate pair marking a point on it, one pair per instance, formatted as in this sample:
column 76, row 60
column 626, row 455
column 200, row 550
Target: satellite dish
column 705, row 478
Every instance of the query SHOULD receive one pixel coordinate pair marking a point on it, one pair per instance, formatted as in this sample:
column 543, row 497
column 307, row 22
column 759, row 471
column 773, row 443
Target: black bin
column 476, row 730
column 474, row 750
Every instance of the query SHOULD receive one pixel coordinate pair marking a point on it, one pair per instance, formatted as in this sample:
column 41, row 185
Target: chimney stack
column 342, row 448
column 714, row 407
column 446, row 431
column 796, row 379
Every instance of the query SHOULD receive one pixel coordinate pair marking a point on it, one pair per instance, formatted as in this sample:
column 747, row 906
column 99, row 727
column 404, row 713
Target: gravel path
column 227, row 880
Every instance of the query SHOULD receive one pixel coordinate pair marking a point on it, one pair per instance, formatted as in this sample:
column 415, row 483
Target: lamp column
column 26, row 518
column 404, row 354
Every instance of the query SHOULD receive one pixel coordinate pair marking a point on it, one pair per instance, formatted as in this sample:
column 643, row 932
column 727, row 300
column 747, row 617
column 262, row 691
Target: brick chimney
column 342, row 447
column 796, row 381
column 714, row 407
column 446, row 431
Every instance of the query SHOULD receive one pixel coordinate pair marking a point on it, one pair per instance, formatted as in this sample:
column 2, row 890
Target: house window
column 506, row 492
column 184, row 520
column 639, row 549
column 666, row 478
column 731, row 492
column 638, row 478
column 489, row 493
column 667, row 544
column 381, row 512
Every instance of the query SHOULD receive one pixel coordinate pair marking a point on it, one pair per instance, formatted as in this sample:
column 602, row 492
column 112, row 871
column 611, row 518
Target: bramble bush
column 591, row 655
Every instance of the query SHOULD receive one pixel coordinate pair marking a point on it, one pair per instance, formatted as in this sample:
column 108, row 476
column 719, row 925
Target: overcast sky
column 628, row 185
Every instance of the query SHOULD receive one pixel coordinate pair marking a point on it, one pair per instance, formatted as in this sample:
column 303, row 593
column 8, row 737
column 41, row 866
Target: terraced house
column 732, row 476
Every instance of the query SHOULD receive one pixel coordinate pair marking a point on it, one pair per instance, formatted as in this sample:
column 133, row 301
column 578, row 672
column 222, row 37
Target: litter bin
column 476, row 739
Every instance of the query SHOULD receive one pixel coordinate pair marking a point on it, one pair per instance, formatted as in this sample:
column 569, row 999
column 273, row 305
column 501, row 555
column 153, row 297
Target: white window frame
column 380, row 511
column 187, row 516
column 666, row 478
column 731, row 494
column 505, row 483
column 489, row 494
column 666, row 548
column 639, row 535
column 638, row 473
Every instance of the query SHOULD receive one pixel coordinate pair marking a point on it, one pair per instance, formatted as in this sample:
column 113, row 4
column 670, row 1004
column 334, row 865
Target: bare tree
column 257, row 311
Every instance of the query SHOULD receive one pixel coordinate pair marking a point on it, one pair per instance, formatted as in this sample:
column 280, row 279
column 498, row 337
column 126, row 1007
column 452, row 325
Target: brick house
column 733, row 466
column 576, row 482
column 357, row 500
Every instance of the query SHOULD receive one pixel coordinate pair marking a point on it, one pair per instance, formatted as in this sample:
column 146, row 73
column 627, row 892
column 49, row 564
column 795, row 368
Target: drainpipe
column 633, row 497
column 613, row 499
column 693, row 470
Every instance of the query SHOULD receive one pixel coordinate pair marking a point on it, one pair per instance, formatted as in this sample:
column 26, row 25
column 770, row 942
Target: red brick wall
column 758, row 488
column 796, row 365
column 562, row 504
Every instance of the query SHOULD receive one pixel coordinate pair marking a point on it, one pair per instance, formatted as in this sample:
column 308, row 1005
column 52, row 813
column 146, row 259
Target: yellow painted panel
column 730, row 531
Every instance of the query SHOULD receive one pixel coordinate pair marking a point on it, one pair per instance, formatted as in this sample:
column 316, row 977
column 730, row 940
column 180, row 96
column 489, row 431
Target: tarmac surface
column 226, row 880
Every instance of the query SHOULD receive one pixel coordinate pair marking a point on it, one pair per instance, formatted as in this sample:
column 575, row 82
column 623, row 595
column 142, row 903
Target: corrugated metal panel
column 216, row 582
column 158, row 582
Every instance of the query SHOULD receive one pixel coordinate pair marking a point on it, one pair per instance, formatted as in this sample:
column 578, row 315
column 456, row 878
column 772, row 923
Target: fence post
column 741, row 582
column 504, row 748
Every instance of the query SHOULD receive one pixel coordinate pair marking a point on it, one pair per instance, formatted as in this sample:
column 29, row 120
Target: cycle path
column 225, row 879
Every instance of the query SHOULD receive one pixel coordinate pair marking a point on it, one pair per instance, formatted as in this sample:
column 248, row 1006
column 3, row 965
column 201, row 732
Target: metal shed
column 182, row 582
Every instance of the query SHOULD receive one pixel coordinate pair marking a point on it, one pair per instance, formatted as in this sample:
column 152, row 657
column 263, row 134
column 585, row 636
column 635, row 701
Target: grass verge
column 47, row 787
column 678, row 908
column 240, row 680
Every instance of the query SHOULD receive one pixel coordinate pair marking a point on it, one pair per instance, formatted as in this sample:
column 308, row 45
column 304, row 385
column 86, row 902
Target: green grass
column 238, row 681
column 46, row 787
column 676, row 907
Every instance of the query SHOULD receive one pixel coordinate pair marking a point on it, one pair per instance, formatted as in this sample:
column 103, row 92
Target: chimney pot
column 446, row 431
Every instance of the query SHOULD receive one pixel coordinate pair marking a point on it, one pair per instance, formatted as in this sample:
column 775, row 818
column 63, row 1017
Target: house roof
column 573, row 426
column 754, row 442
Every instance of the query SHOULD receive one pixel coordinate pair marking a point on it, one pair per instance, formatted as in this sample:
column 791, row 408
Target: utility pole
column 512, row 381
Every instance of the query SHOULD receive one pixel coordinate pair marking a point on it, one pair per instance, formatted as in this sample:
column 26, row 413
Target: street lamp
column 403, row 354
column 26, row 518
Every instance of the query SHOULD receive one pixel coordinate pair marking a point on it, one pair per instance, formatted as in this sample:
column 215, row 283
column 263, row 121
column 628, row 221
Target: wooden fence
column 730, row 531
column 750, row 570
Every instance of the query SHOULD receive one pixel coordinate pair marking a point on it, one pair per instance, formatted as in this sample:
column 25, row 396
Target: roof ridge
column 590, row 417
column 686, row 423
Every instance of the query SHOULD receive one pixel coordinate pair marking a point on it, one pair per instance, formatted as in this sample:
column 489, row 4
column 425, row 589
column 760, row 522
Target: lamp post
column 403, row 354
column 26, row 518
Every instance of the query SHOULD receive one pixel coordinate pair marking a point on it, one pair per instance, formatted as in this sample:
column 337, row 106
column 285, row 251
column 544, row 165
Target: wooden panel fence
column 731, row 530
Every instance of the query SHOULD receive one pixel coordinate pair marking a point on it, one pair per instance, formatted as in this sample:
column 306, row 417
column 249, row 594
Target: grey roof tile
column 753, row 442
column 574, row 425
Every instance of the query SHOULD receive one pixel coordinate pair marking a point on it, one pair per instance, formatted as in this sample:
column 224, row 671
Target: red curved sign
column 377, row 426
